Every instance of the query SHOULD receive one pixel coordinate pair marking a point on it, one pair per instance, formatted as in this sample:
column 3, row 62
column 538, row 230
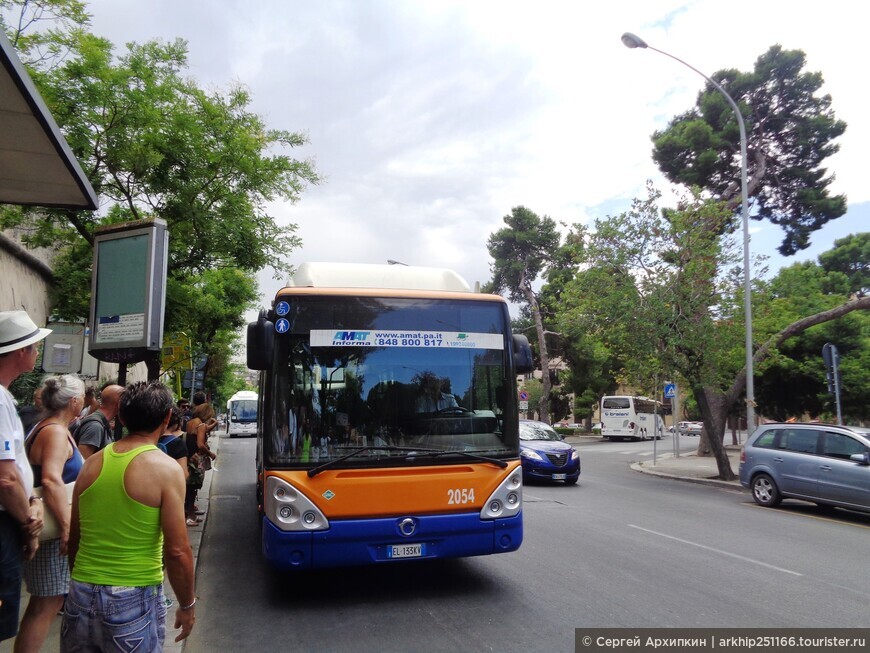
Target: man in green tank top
column 127, row 519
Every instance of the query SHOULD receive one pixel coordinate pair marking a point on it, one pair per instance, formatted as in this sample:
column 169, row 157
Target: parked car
column 545, row 456
column 823, row 463
column 694, row 428
column 688, row 428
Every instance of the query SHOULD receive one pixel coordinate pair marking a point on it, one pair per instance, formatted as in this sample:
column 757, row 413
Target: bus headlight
column 289, row 509
column 507, row 500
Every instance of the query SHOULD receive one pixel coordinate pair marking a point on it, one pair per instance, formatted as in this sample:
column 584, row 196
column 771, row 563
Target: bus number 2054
column 456, row 497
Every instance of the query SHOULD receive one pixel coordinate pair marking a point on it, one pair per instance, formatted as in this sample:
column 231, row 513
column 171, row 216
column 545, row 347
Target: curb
column 195, row 535
column 715, row 482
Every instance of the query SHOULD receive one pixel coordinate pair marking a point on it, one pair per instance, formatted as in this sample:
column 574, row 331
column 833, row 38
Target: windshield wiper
column 436, row 453
column 413, row 452
column 314, row 471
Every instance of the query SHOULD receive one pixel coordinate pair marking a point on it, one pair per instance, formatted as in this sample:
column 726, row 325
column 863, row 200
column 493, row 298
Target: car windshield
column 537, row 432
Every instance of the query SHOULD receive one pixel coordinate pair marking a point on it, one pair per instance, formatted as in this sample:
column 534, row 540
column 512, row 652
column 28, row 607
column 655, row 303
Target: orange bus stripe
column 384, row 492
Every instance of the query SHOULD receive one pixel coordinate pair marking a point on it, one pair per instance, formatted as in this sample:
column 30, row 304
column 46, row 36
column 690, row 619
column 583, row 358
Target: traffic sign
column 176, row 351
column 194, row 379
column 524, row 396
column 670, row 390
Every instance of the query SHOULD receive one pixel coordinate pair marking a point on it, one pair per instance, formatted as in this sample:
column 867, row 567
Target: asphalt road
column 620, row 549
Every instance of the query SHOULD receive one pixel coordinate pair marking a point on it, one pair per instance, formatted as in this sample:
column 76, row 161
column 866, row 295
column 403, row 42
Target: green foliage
column 232, row 379
column 649, row 301
column 790, row 132
column 521, row 251
column 22, row 388
column 792, row 383
column 536, row 391
column 155, row 145
column 63, row 18
column 851, row 257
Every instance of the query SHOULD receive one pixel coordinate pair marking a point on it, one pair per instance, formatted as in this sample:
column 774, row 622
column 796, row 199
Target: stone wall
column 25, row 280
column 26, row 277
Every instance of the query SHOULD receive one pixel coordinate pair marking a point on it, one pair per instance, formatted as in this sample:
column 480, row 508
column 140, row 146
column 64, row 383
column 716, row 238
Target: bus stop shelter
column 37, row 166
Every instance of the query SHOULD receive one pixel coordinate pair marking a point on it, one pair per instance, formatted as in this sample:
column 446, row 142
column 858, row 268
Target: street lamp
column 632, row 41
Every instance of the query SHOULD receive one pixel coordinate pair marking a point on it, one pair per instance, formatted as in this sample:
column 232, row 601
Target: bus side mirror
column 523, row 362
column 261, row 339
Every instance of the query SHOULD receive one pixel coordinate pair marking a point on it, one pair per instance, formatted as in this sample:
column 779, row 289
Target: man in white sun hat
column 20, row 512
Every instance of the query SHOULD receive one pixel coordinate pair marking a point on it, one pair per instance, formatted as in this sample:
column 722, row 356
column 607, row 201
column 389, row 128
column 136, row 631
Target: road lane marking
column 719, row 551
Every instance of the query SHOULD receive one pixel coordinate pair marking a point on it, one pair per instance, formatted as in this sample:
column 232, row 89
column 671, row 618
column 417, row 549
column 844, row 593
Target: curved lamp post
column 632, row 41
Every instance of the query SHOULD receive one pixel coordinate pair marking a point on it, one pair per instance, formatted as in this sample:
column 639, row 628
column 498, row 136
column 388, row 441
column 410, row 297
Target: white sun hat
column 17, row 330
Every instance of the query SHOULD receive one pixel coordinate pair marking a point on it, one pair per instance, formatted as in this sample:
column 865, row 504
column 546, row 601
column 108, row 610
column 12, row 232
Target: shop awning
column 37, row 166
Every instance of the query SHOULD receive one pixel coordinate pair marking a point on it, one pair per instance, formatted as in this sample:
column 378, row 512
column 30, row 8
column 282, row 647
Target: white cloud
column 431, row 120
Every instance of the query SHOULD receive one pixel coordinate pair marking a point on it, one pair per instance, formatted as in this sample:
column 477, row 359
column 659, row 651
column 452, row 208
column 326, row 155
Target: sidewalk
column 688, row 467
column 692, row 468
column 195, row 533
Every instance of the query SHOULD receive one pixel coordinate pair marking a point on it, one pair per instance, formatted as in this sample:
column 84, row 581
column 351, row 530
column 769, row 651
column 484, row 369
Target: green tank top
column 121, row 541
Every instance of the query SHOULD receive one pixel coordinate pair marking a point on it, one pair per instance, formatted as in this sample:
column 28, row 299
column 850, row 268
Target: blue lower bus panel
column 366, row 541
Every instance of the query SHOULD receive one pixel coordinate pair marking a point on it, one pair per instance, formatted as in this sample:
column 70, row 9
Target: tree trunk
column 544, row 402
column 714, row 410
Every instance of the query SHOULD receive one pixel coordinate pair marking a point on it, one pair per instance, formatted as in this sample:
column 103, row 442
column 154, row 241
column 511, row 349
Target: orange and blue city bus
column 388, row 423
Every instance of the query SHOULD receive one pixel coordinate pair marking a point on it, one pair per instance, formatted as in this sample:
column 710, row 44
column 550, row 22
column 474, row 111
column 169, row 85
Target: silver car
column 823, row 463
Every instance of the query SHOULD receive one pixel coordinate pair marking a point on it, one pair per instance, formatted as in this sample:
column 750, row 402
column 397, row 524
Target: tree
column 521, row 252
column 790, row 133
column 155, row 145
column 535, row 389
column 655, row 288
column 792, row 382
column 851, row 257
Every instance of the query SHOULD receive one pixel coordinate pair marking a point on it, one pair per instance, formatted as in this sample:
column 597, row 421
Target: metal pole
column 122, row 381
column 676, row 407
column 632, row 41
column 655, row 419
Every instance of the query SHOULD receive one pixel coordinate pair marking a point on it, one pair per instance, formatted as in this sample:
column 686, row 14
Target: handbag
column 196, row 476
column 50, row 524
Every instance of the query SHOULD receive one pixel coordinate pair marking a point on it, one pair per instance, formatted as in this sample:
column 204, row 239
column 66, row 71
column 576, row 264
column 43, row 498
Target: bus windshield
column 399, row 381
column 243, row 410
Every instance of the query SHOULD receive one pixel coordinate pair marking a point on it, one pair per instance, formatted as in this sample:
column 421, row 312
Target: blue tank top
column 71, row 467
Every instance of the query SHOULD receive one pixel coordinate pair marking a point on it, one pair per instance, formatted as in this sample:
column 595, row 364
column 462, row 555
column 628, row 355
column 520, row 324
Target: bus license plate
column 405, row 551
column 559, row 477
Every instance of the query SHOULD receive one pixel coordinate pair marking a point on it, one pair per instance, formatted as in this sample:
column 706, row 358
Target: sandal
column 193, row 522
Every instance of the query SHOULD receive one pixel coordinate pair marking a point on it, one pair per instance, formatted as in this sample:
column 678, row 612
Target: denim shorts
column 105, row 618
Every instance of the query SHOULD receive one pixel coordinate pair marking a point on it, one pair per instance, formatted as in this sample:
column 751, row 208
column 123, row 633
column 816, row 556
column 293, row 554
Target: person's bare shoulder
column 149, row 474
column 89, row 472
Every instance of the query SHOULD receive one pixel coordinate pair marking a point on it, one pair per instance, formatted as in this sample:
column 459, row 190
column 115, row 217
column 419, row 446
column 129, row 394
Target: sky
column 430, row 120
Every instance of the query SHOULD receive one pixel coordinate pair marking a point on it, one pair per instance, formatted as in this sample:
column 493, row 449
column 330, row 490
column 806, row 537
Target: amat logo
column 352, row 336
column 351, row 339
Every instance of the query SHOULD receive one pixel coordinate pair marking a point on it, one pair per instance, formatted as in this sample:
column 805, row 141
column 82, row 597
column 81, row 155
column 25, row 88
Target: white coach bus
column 242, row 414
column 635, row 418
